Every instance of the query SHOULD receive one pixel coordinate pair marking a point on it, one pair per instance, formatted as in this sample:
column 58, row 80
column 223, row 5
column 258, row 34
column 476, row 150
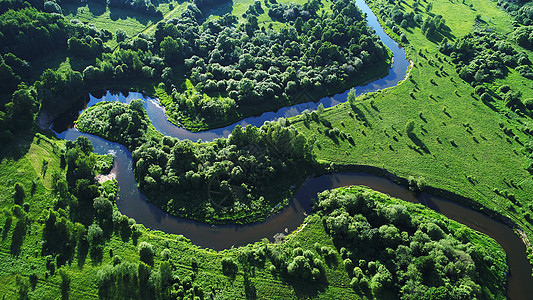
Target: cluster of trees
column 524, row 36
column 522, row 10
column 241, row 178
column 254, row 9
column 234, row 69
column 29, row 33
column 481, row 56
column 6, row 5
column 290, row 262
column 139, row 6
column 394, row 15
column 395, row 249
column 285, row 12
column 237, row 179
column 82, row 217
column 129, row 280
column 300, row 264
column 260, row 68
column 115, row 121
column 25, row 36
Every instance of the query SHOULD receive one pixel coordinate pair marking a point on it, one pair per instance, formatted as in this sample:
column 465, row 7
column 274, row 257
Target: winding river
column 133, row 203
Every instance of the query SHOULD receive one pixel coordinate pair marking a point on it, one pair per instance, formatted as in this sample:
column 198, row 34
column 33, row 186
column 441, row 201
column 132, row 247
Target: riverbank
column 457, row 140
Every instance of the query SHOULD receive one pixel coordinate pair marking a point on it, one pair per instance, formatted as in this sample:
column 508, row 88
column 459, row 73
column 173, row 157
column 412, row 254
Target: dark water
column 133, row 203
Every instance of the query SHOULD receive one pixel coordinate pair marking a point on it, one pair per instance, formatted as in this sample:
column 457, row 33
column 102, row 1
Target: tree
column 171, row 49
column 84, row 144
column 24, row 107
column 121, row 35
column 95, row 235
column 52, row 7
column 352, row 96
column 8, row 79
column 146, row 253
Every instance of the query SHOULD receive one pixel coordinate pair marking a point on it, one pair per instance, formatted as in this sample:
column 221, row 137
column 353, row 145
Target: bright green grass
column 484, row 155
column 240, row 6
column 111, row 19
column 20, row 163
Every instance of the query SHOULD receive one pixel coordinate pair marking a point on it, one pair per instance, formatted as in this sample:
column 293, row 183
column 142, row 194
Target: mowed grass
column 467, row 151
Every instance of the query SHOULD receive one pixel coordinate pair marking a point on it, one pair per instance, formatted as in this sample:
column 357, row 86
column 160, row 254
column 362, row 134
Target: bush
column 528, row 103
column 229, row 266
column 95, row 235
column 504, row 89
column 146, row 253
column 52, row 7
column 485, row 97
column 165, row 254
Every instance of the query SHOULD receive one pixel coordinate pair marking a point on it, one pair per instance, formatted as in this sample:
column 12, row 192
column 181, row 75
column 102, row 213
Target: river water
column 132, row 202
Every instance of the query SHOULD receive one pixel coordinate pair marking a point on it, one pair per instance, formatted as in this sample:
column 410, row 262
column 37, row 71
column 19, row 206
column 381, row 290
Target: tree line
column 393, row 249
column 240, row 66
column 239, row 179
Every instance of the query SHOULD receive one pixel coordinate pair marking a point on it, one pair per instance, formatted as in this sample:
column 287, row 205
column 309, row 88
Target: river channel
column 132, row 202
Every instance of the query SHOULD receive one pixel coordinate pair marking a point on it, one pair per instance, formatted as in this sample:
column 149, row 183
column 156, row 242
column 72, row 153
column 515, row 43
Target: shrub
column 485, row 97
column 165, row 254
column 229, row 266
column 146, row 253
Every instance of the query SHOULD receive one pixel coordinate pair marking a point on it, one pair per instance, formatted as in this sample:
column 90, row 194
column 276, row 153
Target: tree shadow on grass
column 17, row 147
column 219, row 8
column 19, row 232
column 418, row 142
column 116, row 13
column 82, row 251
column 305, row 289
column 7, row 227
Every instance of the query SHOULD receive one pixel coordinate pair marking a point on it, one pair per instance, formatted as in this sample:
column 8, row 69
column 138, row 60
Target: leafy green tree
column 146, row 253
column 171, row 49
column 120, row 35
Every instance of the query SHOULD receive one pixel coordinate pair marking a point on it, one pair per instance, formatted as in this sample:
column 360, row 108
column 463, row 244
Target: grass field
column 461, row 147
column 466, row 150
column 202, row 266
column 112, row 19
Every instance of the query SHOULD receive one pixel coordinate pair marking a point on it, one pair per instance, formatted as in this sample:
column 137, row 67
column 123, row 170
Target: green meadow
column 432, row 129
column 464, row 147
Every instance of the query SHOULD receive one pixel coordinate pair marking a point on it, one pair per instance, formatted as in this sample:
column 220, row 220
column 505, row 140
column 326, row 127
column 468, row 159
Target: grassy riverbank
column 458, row 143
column 195, row 124
column 198, row 272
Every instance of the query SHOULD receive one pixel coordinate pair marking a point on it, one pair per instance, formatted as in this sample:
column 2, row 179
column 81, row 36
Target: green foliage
column 320, row 55
column 409, row 250
column 239, row 179
column 229, row 266
column 146, row 253
column 483, row 56
column 126, row 124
